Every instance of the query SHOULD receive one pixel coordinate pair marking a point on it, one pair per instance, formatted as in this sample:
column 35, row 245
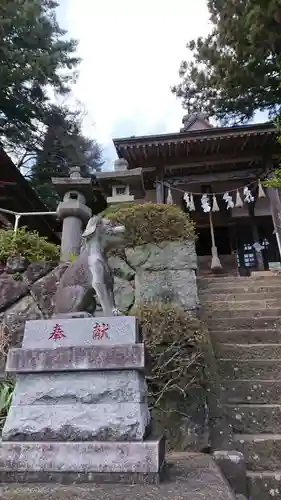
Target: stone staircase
column 244, row 319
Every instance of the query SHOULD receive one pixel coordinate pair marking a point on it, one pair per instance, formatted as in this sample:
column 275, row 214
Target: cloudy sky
column 131, row 53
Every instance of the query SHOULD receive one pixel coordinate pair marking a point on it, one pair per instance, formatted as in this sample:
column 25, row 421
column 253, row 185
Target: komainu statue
column 90, row 274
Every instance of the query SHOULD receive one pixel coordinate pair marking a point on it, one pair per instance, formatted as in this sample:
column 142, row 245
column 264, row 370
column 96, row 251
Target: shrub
column 28, row 244
column 151, row 222
column 7, row 386
column 6, row 394
column 174, row 341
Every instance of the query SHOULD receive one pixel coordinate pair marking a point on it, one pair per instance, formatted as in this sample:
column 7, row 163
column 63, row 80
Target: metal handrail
column 18, row 215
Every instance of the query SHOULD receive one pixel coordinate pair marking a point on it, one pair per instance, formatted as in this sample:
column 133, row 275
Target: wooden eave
column 17, row 195
column 207, row 147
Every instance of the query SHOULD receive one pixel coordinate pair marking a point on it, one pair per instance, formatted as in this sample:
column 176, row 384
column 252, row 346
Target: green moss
column 6, row 394
column 28, row 244
column 151, row 222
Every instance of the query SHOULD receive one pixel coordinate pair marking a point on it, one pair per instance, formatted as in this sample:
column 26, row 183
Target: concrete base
column 192, row 477
column 69, row 478
column 66, row 462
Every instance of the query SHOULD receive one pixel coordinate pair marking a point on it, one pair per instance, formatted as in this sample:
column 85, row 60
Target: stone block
column 250, row 370
column 120, row 268
column 53, row 333
column 125, row 421
column 45, row 288
column 261, row 451
column 171, row 255
column 15, row 317
column 16, row 264
column 167, row 286
column 10, row 291
column 77, row 358
column 37, row 270
column 254, row 419
column 124, row 294
column 242, row 323
column 78, row 457
column 137, row 255
column 265, row 335
column 243, row 313
column 233, row 467
column 80, row 388
column 246, row 391
column 265, row 485
column 248, row 351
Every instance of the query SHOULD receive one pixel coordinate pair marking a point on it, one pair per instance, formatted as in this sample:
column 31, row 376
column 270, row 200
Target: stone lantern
column 77, row 192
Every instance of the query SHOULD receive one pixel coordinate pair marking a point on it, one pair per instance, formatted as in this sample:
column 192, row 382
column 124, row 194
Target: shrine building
column 226, row 164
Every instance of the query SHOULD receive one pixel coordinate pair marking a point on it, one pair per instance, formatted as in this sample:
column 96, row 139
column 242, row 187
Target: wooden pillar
column 273, row 195
column 160, row 188
column 255, row 231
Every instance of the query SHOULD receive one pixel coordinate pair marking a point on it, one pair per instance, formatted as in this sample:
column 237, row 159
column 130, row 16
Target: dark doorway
column 245, row 241
column 204, row 244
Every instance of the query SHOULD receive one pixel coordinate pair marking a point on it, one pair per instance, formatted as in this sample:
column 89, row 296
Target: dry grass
column 175, row 345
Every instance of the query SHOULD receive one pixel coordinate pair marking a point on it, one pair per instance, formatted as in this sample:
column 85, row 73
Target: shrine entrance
column 246, row 251
column 236, row 245
column 204, row 244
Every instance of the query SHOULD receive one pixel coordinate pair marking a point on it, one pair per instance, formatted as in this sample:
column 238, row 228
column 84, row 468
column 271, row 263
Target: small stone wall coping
column 96, row 456
column 77, row 358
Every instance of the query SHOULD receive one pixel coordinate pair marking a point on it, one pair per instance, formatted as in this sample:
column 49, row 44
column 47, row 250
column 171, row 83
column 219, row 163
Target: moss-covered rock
column 152, row 223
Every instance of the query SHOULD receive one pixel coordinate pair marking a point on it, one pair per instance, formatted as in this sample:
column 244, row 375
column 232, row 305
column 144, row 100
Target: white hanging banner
column 169, row 200
column 191, row 206
column 186, row 198
column 239, row 203
column 205, row 203
column 209, row 204
column 228, row 200
column 261, row 193
column 248, row 197
column 215, row 208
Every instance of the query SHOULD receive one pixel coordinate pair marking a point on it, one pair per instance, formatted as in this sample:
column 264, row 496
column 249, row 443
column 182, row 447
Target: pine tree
column 35, row 56
column 235, row 71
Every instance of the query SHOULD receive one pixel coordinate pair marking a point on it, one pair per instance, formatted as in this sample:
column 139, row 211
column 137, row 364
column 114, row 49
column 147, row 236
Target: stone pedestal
column 80, row 404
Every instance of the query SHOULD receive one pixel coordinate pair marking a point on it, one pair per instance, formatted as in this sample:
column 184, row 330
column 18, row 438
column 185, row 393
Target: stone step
column 261, row 451
column 265, row 485
column 234, row 288
column 226, row 296
column 270, row 336
column 239, row 279
column 255, row 370
column 244, row 313
column 242, row 323
column 246, row 391
column 249, row 418
column 247, row 351
column 232, row 305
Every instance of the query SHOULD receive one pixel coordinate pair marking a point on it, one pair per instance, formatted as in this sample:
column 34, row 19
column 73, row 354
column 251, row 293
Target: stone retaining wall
column 156, row 273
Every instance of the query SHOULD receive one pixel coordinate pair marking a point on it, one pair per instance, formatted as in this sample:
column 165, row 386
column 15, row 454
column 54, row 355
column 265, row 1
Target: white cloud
column 131, row 52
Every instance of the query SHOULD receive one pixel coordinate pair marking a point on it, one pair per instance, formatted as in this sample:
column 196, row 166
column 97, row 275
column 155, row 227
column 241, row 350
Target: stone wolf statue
column 89, row 273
